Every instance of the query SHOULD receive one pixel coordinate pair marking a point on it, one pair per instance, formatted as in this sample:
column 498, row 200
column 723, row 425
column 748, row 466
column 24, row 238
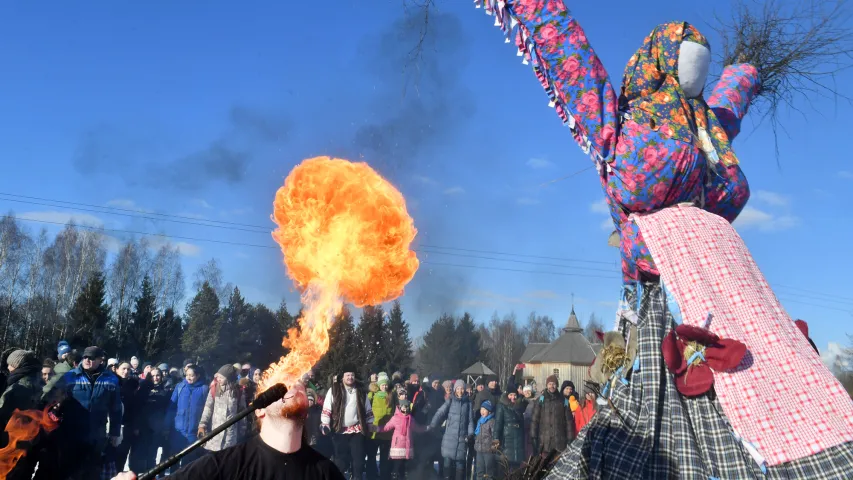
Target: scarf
column 481, row 421
column 651, row 84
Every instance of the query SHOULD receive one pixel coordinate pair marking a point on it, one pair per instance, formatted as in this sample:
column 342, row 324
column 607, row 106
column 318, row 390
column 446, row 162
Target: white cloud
column 156, row 242
column 845, row 174
column 833, row 356
column 607, row 225
column 126, row 204
column 600, row 207
column 454, row 191
column 63, row 217
column 543, row 294
column 527, row 201
column 771, row 198
column 200, row 202
column 192, row 215
column 424, row 180
column 539, row 163
column 235, row 212
column 766, row 222
column 609, row 304
column 242, row 255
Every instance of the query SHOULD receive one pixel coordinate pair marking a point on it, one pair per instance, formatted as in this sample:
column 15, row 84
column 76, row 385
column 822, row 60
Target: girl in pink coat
column 401, row 443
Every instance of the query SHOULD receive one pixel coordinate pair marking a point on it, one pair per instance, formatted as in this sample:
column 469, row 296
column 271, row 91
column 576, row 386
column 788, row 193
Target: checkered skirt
column 659, row 434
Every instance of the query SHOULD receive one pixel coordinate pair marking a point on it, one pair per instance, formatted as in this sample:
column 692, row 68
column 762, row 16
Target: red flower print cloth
column 691, row 353
column 707, row 269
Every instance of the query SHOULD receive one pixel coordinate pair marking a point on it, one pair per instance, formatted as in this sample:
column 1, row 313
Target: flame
column 23, row 426
column 345, row 234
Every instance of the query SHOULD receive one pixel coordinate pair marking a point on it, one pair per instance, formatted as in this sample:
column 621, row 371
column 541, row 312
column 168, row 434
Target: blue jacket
column 101, row 398
column 186, row 407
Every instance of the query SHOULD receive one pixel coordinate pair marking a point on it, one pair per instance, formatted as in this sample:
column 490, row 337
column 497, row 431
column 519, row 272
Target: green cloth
column 382, row 413
column 60, row 370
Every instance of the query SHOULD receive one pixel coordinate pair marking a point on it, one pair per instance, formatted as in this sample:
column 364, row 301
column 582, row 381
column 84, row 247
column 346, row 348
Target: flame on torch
column 345, row 234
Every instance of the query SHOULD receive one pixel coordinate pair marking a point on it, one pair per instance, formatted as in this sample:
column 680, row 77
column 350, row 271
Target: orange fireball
column 23, row 427
column 346, row 236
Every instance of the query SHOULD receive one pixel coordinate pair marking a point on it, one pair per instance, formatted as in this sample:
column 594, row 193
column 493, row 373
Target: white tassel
column 497, row 21
column 551, row 104
column 506, row 40
column 524, row 62
column 513, row 21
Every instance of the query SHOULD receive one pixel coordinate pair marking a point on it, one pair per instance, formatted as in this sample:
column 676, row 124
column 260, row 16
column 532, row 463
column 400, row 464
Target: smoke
column 106, row 151
column 421, row 99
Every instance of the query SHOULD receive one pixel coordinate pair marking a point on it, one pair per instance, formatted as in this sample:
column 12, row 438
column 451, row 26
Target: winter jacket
column 186, row 406
column 486, row 394
column 509, row 428
column 312, row 425
column 460, row 425
column 153, row 403
column 220, row 405
column 60, row 369
column 98, row 393
column 22, row 392
column 418, row 397
column 583, row 415
column 383, row 410
column 483, row 440
column 403, row 426
column 569, row 383
column 129, row 401
column 435, row 399
column 552, row 425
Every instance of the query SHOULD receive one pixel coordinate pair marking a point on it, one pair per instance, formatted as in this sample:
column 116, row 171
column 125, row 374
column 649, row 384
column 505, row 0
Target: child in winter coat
column 484, row 441
column 403, row 426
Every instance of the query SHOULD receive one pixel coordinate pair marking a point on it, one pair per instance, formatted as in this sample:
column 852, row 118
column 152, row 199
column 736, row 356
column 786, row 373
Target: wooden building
column 568, row 357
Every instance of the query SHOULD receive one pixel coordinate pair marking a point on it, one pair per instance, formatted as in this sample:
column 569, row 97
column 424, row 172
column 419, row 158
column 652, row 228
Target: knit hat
column 552, row 378
column 62, row 348
column 134, row 358
column 112, row 361
column 447, row 384
column 397, row 375
column 406, row 404
column 20, row 357
column 229, row 372
column 458, row 384
column 382, row 381
column 163, row 367
column 236, row 366
column 487, row 404
column 528, row 388
column 93, row 352
column 382, row 375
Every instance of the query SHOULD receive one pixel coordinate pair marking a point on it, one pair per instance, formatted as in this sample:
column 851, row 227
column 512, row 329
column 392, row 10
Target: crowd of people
column 125, row 415
column 117, row 414
column 392, row 428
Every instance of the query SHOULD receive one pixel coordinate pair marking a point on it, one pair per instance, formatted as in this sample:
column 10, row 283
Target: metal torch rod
column 264, row 400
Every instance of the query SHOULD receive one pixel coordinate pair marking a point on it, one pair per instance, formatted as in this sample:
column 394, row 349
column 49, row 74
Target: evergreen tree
column 267, row 333
column 467, row 344
column 284, row 318
column 342, row 337
column 164, row 341
column 398, row 348
column 439, row 354
column 90, row 315
column 371, row 339
column 143, row 321
column 236, row 336
column 201, row 335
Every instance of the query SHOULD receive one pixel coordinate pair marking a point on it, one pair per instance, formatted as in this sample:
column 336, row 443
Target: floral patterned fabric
column 654, row 147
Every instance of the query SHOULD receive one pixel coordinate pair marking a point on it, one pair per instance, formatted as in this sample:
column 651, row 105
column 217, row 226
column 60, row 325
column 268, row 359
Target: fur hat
column 458, row 384
column 229, row 372
column 347, row 368
column 552, row 379
column 21, row 357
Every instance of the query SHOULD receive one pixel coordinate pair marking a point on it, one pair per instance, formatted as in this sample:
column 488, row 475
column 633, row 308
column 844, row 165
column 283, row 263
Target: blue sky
column 202, row 111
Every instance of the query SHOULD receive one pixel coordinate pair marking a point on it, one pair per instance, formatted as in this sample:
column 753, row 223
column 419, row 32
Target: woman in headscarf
column 673, row 185
column 224, row 400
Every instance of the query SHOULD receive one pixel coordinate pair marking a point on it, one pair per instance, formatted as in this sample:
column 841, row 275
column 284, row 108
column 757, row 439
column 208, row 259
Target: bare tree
column 505, row 342
column 211, row 273
column 167, row 277
column 798, row 51
column 539, row 329
column 13, row 243
column 593, row 328
column 125, row 281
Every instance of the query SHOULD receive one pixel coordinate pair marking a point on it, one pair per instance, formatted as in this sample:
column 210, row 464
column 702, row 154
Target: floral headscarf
column 651, row 84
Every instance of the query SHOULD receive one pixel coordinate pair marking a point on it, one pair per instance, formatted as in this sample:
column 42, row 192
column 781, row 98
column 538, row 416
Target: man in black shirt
column 277, row 453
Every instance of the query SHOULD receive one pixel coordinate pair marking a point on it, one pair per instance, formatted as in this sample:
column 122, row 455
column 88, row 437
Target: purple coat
column 401, row 442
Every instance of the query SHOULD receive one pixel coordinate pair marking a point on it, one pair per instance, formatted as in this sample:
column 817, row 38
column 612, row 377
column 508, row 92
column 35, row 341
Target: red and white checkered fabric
column 786, row 401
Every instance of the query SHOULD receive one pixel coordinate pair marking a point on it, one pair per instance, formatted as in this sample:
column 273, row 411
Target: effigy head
column 675, row 54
